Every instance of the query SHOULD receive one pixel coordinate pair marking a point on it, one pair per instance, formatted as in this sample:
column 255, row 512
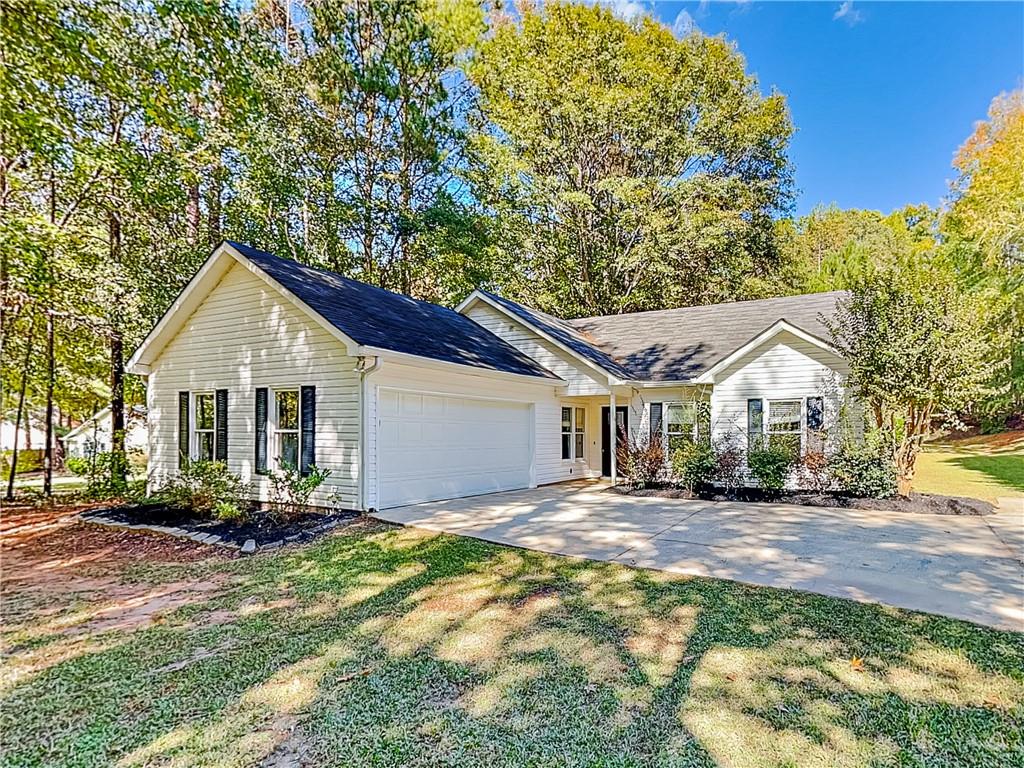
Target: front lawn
column 982, row 467
column 393, row 647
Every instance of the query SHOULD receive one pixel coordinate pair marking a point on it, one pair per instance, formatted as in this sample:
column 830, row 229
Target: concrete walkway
column 966, row 567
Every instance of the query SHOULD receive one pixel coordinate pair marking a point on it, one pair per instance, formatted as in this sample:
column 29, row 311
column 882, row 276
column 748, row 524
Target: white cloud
column 630, row 10
column 848, row 13
column 684, row 24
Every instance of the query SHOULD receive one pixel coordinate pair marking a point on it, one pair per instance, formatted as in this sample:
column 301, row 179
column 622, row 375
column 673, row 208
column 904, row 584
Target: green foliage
column 770, row 464
column 694, row 464
column 918, row 347
column 864, row 467
column 29, row 460
column 205, row 488
column 627, row 169
column 290, row 490
column 101, row 481
column 229, row 512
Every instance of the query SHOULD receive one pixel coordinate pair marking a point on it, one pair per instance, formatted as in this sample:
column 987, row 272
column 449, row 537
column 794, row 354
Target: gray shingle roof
column 375, row 317
column 676, row 344
column 564, row 332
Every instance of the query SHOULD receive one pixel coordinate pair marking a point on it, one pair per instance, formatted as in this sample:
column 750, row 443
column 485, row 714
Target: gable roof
column 561, row 332
column 379, row 319
column 682, row 344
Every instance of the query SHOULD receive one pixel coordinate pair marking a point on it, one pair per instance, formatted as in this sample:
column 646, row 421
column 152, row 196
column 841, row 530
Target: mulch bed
column 916, row 503
column 259, row 526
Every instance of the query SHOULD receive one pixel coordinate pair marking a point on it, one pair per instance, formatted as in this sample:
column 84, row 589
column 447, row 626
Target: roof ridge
column 694, row 307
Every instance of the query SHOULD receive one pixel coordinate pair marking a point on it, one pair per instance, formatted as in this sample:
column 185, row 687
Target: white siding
column 543, row 399
column 246, row 335
column 582, row 379
column 785, row 367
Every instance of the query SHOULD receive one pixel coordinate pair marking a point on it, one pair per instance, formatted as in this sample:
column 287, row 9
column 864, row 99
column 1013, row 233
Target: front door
column 622, row 422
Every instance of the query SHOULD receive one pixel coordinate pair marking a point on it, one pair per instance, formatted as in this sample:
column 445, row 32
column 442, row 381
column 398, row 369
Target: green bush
column 204, row 486
column 29, row 460
column 229, row 512
column 770, row 464
column 694, row 464
column 864, row 468
column 97, row 469
column 290, row 490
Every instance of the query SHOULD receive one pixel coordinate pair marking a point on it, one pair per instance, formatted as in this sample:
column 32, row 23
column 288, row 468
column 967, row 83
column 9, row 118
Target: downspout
column 365, row 369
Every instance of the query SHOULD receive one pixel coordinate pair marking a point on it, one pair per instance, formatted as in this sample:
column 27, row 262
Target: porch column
column 613, row 435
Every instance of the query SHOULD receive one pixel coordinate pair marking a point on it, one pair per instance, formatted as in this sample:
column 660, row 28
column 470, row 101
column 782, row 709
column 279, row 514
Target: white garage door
column 437, row 447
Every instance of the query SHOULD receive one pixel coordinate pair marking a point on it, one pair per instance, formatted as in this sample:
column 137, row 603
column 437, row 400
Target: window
column 286, row 428
column 815, row 439
column 579, row 425
column 574, row 422
column 205, row 421
column 784, row 424
column 680, row 425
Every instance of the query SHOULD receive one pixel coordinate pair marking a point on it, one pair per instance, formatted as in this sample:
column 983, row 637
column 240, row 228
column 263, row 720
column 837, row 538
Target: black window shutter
column 655, row 421
column 261, row 430
column 755, row 421
column 182, row 429
column 220, row 449
column 307, row 408
column 815, row 413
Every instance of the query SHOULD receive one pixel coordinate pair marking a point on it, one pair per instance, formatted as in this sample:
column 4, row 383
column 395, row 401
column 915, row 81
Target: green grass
column 983, row 467
column 390, row 647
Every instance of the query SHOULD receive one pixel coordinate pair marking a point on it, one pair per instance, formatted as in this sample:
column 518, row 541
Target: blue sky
column 881, row 93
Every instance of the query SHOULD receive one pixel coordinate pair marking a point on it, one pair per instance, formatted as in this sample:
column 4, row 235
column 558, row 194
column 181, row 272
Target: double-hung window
column 680, row 425
column 286, row 428
column 574, row 424
column 784, row 418
column 205, row 421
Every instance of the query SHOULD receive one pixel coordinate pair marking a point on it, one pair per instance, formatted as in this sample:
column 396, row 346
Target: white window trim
column 573, row 431
column 194, row 431
column 665, row 434
column 273, row 432
column 767, row 419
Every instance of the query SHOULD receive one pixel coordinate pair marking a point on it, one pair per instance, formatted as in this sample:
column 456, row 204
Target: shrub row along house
column 263, row 361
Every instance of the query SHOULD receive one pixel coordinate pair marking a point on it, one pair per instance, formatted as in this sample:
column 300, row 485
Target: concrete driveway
column 967, row 567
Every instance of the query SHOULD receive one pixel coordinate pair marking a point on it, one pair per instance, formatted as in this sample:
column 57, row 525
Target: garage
column 433, row 446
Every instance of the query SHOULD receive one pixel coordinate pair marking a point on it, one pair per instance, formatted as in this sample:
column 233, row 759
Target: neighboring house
column 94, row 434
column 262, row 359
column 35, row 437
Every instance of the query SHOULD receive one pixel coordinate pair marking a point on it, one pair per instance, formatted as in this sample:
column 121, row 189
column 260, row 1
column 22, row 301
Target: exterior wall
column 785, row 367
column 582, row 379
column 543, row 398
column 96, row 436
column 246, row 335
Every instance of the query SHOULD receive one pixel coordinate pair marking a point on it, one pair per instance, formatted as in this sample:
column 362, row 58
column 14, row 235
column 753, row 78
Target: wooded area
column 557, row 154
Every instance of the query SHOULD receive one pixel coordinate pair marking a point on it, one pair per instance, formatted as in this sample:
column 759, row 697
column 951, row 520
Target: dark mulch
column 916, row 503
column 259, row 525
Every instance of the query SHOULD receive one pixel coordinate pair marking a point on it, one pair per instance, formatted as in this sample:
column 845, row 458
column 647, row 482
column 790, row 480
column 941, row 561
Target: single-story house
column 262, row 361
column 94, row 435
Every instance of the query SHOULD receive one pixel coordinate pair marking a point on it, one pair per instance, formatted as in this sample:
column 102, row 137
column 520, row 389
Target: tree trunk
column 118, row 463
column 192, row 214
column 50, row 374
column 21, row 407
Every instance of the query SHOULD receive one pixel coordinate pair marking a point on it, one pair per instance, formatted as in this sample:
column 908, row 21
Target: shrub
column 641, row 459
column 815, row 471
column 729, row 463
column 229, row 512
column 770, row 464
column 864, row 468
column 97, row 469
column 694, row 464
column 290, row 490
column 202, row 486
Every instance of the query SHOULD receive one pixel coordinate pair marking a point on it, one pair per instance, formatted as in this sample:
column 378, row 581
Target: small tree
column 917, row 347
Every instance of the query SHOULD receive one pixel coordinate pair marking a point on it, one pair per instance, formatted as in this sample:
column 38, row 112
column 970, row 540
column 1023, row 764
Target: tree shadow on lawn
column 1006, row 470
column 406, row 648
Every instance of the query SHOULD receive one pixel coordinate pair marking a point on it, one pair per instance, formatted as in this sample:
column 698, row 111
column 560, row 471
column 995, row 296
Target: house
column 94, row 434
column 262, row 360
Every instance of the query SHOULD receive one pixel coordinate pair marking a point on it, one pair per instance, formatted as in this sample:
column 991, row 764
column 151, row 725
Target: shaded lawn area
column 983, row 467
column 395, row 647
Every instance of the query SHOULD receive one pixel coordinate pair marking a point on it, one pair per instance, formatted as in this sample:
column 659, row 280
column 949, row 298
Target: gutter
column 365, row 370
